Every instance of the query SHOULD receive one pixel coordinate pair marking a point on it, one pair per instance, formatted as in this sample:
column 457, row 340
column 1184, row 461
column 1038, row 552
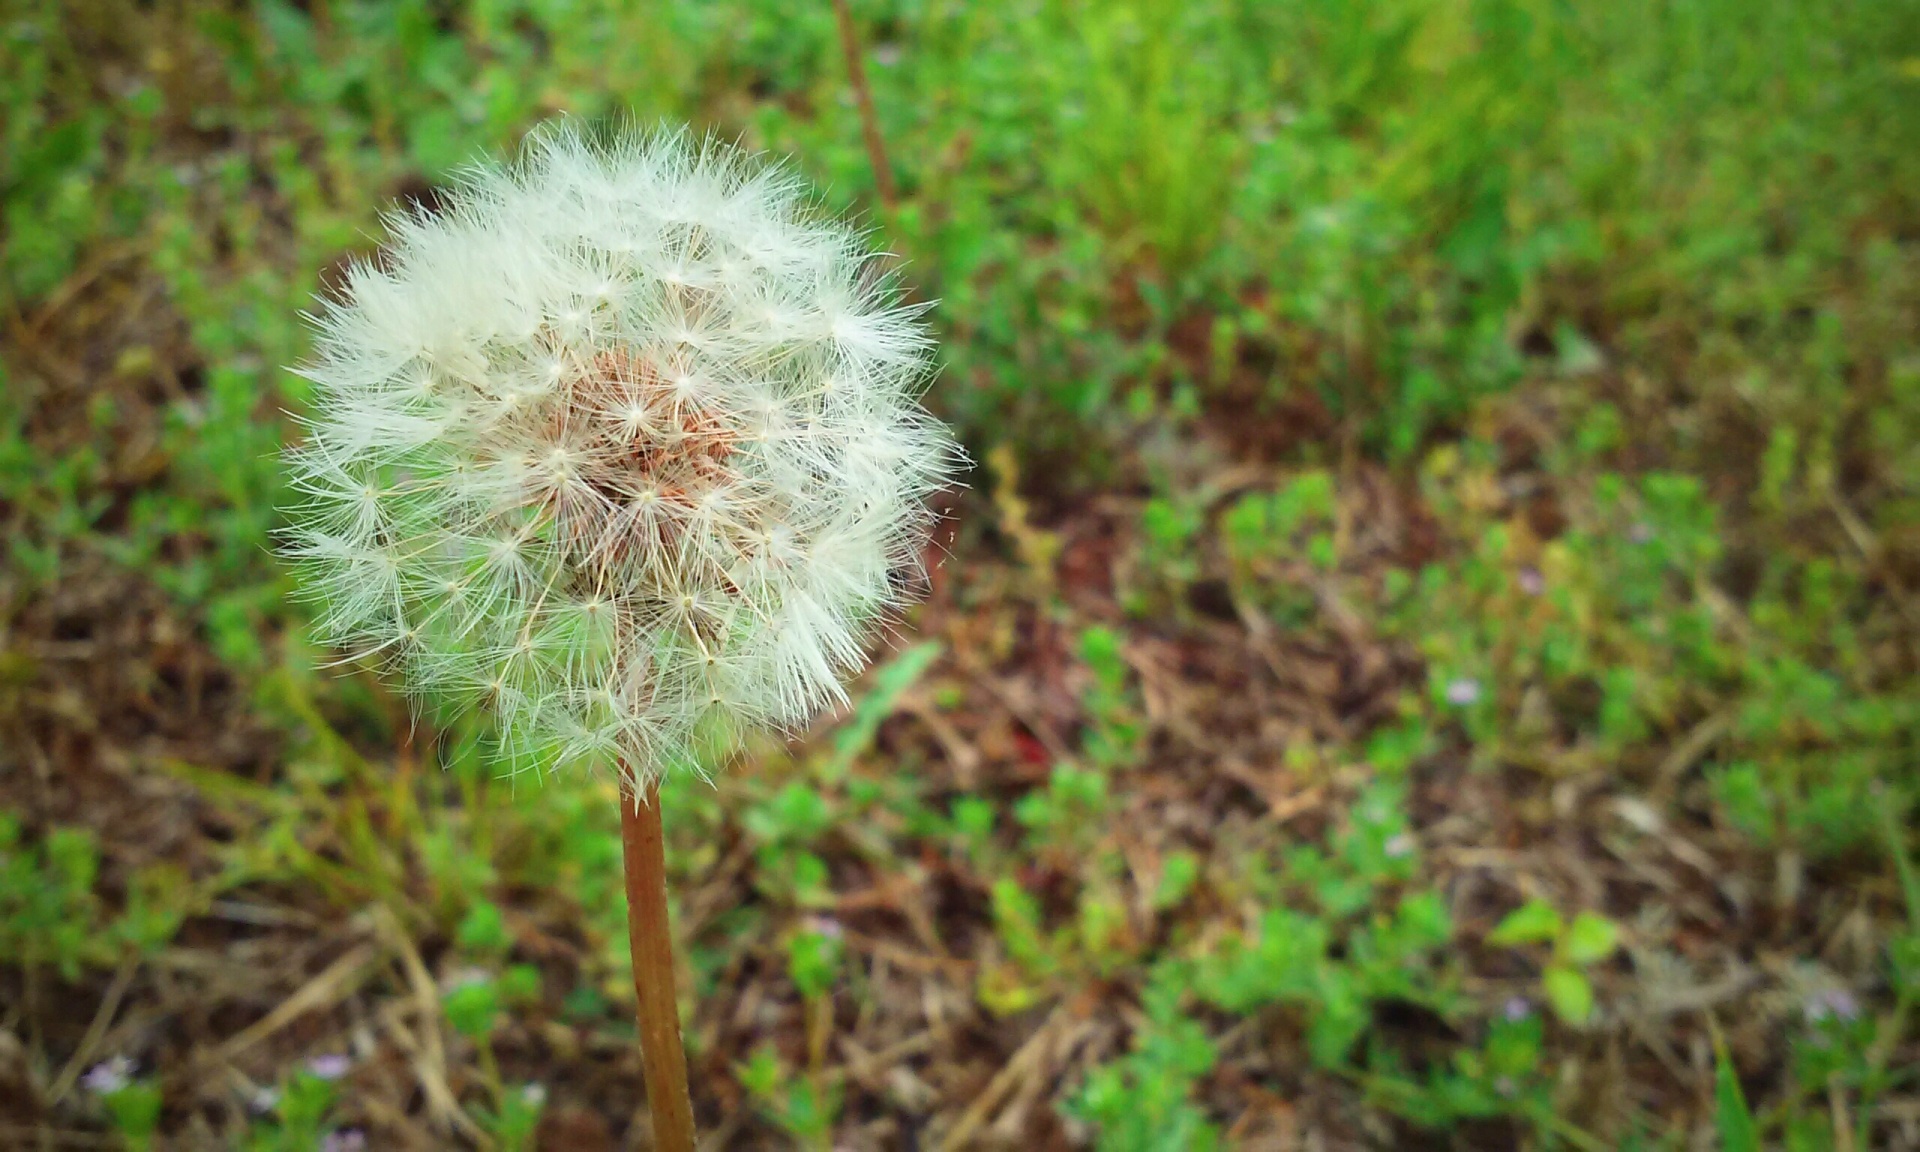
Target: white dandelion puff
column 622, row 445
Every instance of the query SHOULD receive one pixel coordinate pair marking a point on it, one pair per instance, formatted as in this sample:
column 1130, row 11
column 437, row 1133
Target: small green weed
column 1577, row 946
column 1143, row 1102
column 795, row 1105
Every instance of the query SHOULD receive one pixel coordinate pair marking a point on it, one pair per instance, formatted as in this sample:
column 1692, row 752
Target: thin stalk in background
column 863, row 98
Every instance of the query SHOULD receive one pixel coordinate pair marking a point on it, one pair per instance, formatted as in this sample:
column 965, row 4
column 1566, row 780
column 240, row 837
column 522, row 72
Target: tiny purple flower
column 329, row 1067
column 1517, row 1009
column 263, row 1101
column 1837, row 1003
column 1531, row 581
column 1463, row 692
column 534, row 1095
column 1400, row 847
column 345, row 1140
column 826, row 926
column 109, row 1076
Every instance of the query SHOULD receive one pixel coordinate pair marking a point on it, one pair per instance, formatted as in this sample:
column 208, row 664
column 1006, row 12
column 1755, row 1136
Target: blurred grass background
column 1430, row 659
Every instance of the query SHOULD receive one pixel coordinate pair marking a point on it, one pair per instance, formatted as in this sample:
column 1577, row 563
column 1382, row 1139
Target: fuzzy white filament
column 621, row 444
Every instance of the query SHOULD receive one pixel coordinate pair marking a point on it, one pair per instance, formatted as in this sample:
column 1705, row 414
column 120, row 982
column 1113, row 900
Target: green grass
column 1432, row 659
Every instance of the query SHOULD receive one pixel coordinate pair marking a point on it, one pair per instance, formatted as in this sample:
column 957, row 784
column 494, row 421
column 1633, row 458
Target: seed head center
column 634, row 440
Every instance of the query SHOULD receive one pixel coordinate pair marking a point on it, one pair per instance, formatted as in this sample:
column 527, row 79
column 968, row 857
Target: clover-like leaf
column 1591, row 939
column 1535, row 922
column 1569, row 991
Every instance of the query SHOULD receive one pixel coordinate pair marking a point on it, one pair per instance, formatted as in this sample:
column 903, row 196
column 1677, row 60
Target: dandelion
column 623, row 447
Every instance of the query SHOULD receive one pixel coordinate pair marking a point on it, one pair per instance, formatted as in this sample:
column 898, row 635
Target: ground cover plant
column 1427, row 658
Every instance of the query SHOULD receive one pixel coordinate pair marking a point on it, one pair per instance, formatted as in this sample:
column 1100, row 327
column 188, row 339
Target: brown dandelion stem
column 663, row 1060
column 863, row 97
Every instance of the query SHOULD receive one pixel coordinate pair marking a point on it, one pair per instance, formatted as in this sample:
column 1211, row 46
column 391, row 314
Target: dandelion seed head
column 622, row 444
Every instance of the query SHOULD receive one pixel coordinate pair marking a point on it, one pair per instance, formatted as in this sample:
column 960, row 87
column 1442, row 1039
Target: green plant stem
column 663, row 1061
column 1902, row 863
column 490, row 1070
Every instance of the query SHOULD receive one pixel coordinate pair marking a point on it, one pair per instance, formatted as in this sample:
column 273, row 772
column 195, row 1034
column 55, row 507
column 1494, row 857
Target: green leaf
column 813, row 962
column 1178, row 874
column 762, row 1073
column 973, row 817
column 1421, row 923
column 1738, row 1132
column 484, row 929
column 1337, row 1020
column 1592, row 939
column 520, row 984
column 1101, row 649
column 135, row 1112
column 1016, row 918
column 1903, row 954
column 1569, row 991
column 1890, row 809
column 1534, row 922
column 1747, row 800
column 890, row 683
column 473, row 1009
column 797, row 814
column 1283, row 962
